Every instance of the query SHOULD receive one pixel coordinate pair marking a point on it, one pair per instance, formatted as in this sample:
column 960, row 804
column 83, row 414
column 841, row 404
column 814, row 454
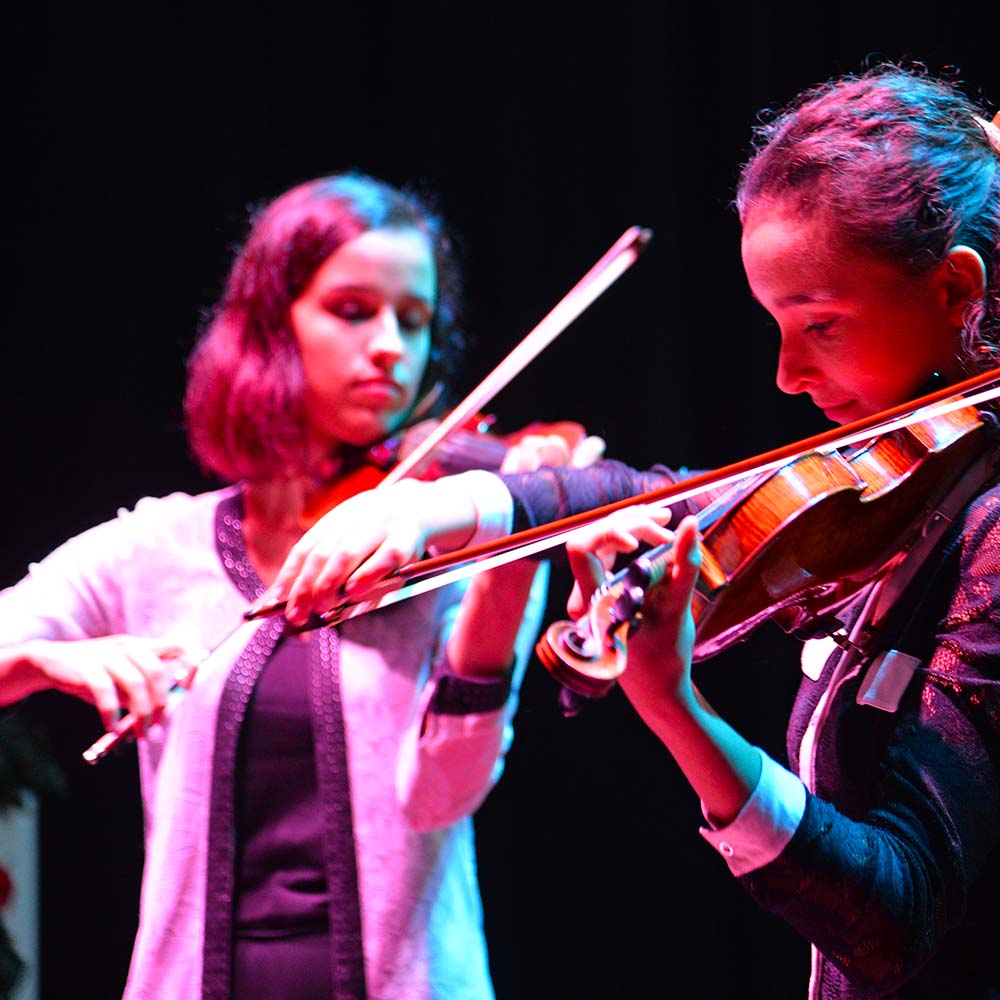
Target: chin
column 841, row 415
column 360, row 439
column 362, row 433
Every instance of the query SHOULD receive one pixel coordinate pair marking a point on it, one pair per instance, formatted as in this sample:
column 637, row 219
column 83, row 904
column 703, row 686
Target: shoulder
column 179, row 506
column 123, row 575
column 979, row 534
column 154, row 520
column 177, row 523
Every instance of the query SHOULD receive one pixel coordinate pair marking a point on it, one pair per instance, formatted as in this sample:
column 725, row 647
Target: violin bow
column 429, row 574
column 622, row 254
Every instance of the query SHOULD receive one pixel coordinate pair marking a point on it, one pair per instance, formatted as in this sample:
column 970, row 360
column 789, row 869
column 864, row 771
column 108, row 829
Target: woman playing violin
column 871, row 233
column 309, row 800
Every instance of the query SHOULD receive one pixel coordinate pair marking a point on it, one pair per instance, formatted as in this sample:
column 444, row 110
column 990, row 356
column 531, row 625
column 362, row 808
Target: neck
column 276, row 512
column 271, row 521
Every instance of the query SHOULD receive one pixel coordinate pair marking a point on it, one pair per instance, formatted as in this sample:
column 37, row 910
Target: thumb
column 588, row 573
column 588, row 451
column 687, row 558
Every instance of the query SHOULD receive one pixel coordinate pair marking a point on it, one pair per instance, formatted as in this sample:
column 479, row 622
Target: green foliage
column 11, row 965
column 26, row 764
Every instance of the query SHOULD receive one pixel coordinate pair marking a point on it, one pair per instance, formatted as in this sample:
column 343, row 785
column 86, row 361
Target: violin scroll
column 588, row 656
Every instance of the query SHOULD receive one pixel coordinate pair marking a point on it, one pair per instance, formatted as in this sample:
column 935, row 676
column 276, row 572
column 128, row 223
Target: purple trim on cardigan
column 346, row 945
column 334, row 785
column 219, row 895
column 232, row 547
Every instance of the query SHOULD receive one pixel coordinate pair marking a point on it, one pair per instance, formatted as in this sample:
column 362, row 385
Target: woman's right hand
column 113, row 673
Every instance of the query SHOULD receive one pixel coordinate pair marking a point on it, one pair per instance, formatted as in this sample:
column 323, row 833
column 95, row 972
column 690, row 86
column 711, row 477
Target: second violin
column 475, row 445
column 793, row 545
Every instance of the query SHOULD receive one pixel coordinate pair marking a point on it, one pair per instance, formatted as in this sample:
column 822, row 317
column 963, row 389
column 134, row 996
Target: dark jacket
column 893, row 872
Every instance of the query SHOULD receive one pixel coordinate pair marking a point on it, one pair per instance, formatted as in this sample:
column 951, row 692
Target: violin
column 474, row 445
column 813, row 523
column 794, row 545
column 437, row 571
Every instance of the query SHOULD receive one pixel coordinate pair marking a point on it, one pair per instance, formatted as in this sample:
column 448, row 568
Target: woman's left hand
column 535, row 450
column 659, row 651
column 722, row 767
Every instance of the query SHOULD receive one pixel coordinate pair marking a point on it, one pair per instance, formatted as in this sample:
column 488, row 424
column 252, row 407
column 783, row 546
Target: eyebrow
column 372, row 290
column 804, row 299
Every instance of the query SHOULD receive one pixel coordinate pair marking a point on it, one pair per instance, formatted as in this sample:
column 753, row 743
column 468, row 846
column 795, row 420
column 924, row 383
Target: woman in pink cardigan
column 308, row 801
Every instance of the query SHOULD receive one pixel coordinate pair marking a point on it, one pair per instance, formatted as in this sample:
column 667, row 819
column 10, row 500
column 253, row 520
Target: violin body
column 806, row 540
column 472, row 446
column 794, row 546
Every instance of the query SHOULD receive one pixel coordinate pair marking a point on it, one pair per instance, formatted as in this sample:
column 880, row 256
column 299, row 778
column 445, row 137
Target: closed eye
column 823, row 326
column 357, row 305
column 414, row 315
column 354, row 306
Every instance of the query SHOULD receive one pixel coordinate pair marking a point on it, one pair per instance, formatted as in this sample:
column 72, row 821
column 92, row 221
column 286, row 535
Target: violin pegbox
column 589, row 655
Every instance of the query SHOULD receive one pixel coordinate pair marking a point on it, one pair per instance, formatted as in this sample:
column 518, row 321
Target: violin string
column 396, row 589
column 400, row 588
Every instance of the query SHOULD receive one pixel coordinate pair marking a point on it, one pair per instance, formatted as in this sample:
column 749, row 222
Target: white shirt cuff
column 765, row 824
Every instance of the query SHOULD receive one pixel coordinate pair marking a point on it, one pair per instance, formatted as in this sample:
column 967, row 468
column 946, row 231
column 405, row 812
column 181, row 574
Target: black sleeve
column 893, row 872
column 551, row 493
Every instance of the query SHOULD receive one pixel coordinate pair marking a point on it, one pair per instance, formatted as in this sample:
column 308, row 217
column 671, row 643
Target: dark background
column 135, row 139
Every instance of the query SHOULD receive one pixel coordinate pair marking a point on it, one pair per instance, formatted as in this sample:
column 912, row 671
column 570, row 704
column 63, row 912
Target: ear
column 963, row 280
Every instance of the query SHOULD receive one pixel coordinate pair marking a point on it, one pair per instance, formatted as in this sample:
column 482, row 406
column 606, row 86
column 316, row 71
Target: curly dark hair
column 902, row 161
column 244, row 404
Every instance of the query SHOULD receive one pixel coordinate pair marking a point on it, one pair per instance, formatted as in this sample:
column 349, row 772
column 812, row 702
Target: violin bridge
column 843, row 640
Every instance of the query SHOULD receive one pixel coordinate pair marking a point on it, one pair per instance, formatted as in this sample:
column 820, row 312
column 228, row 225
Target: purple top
column 280, row 878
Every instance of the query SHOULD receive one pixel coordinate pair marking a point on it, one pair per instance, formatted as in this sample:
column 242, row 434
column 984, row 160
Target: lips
column 839, row 413
column 379, row 389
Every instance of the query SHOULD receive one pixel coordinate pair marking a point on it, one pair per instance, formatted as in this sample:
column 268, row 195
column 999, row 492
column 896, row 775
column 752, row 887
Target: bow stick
column 615, row 262
column 429, row 574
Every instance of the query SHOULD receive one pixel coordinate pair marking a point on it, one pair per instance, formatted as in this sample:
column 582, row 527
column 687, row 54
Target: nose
column 796, row 369
column 386, row 340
